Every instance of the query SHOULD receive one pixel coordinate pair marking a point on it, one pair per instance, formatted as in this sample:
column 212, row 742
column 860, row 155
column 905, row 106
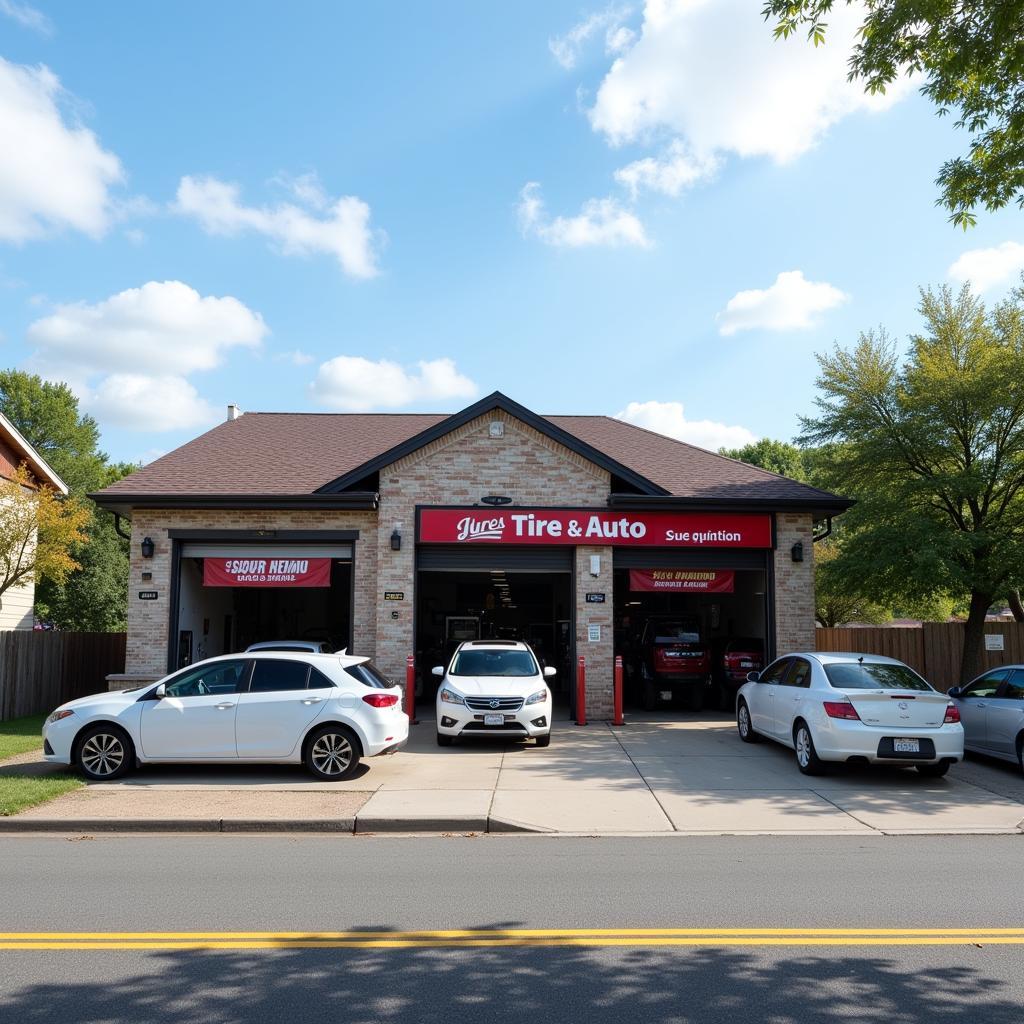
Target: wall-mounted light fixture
column 797, row 551
column 148, row 547
column 396, row 539
column 595, row 565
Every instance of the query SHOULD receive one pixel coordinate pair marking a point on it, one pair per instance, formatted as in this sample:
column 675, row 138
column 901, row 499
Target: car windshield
column 873, row 675
column 494, row 663
column 675, row 632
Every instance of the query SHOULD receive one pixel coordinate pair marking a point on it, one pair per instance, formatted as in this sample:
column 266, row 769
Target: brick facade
column 794, row 584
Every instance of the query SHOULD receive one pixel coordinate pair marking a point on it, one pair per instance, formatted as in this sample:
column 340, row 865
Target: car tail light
column 840, row 709
column 952, row 714
column 380, row 700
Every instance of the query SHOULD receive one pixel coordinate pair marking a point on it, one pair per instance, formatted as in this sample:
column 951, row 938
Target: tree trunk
column 1016, row 607
column 973, row 663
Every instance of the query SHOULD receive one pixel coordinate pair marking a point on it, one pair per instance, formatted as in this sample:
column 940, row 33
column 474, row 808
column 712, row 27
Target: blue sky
column 328, row 206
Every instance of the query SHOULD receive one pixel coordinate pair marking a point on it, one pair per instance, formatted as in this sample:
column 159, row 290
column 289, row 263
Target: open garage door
column 232, row 595
column 690, row 624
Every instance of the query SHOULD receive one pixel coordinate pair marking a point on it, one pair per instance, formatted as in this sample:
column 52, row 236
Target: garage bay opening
column 231, row 596
column 494, row 594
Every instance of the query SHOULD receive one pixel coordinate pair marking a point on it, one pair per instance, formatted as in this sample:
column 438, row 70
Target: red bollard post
column 581, row 691
column 410, row 689
column 617, row 693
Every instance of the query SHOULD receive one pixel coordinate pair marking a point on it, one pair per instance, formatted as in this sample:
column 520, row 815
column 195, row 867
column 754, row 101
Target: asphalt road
column 317, row 887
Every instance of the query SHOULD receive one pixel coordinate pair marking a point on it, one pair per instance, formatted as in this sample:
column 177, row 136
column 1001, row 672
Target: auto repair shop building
column 399, row 534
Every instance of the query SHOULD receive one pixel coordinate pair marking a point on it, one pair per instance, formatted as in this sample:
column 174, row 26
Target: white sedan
column 322, row 710
column 859, row 708
column 497, row 688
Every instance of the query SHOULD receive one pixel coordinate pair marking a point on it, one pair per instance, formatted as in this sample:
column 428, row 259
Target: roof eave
column 39, row 466
column 124, row 504
column 818, row 507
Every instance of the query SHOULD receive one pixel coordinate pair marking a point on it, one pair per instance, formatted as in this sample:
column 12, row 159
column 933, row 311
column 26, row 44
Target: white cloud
column 56, row 175
column 296, row 357
column 165, row 325
column 792, row 303
column 671, row 172
column 600, row 222
column 668, row 418
column 986, row 268
column 27, row 17
column 148, row 403
column 354, row 384
column 341, row 230
column 710, row 73
column 566, row 49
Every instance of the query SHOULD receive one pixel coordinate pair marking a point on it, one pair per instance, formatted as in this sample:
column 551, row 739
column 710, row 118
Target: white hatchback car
column 322, row 710
column 851, row 707
column 494, row 688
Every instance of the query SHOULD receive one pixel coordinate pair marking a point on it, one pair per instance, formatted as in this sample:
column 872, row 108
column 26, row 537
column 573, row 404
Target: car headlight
column 536, row 698
column 451, row 697
column 58, row 715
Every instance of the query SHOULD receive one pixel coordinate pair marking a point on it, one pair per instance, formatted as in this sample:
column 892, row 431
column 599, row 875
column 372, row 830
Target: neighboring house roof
column 320, row 455
column 27, row 454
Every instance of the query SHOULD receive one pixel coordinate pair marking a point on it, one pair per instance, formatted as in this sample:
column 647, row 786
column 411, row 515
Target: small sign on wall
column 594, row 634
column 994, row 642
column 595, row 598
column 394, row 595
column 148, row 595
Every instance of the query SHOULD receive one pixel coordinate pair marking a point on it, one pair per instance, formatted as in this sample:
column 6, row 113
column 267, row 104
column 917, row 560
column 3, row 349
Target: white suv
column 494, row 688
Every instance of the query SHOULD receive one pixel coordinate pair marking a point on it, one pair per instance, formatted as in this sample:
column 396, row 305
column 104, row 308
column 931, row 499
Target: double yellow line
column 541, row 937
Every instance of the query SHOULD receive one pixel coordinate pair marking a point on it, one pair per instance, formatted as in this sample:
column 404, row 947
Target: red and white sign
column 700, row 581
column 582, row 526
column 267, row 571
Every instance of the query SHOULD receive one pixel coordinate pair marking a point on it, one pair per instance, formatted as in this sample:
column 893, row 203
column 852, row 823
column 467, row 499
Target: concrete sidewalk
column 662, row 774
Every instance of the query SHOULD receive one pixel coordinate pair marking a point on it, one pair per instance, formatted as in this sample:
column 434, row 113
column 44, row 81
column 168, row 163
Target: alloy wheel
column 102, row 754
column 803, row 747
column 331, row 754
column 744, row 717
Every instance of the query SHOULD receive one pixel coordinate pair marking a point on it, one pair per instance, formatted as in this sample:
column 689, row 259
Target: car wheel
column 743, row 724
column 545, row 740
column 104, row 753
column 807, row 759
column 650, row 695
column 332, row 753
column 933, row 771
column 443, row 740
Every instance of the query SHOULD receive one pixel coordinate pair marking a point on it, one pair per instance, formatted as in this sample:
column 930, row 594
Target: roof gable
column 489, row 404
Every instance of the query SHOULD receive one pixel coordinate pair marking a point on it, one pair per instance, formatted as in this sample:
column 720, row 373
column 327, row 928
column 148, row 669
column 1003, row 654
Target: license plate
column 666, row 694
column 906, row 746
column 494, row 719
column 746, row 664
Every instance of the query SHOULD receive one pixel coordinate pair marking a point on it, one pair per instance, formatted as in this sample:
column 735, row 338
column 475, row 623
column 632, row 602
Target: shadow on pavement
column 609, row 986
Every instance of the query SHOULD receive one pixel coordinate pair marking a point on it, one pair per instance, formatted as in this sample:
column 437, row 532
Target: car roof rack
column 495, row 643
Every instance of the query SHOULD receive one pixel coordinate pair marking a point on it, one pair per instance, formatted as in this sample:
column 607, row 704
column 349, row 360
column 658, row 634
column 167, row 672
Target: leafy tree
column 38, row 528
column 934, row 450
column 775, row 456
column 94, row 595
column 968, row 53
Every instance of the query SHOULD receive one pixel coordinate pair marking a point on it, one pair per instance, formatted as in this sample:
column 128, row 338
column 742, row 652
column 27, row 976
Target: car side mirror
column 753, row 677
column 438, row 670
column 550, row 671
column 955, row 691
column 160, row 692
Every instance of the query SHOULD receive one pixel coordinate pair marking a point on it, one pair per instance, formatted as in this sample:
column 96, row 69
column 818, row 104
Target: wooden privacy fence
column 40, row 669
column 934, row 649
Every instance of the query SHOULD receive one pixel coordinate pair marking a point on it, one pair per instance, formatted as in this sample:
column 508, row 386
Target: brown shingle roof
column 298, row 453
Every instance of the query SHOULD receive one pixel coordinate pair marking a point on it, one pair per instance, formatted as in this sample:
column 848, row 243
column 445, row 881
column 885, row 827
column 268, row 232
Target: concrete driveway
column 661, row 773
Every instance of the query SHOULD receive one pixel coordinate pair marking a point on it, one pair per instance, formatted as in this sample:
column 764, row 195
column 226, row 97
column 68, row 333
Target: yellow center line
column 544, row 937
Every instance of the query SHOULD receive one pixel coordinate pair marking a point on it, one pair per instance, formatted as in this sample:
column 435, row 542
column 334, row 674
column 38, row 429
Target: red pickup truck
column 674, row 661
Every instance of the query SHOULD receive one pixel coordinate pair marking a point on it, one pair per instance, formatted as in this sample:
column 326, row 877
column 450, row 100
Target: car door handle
column 223, row 707
column 980, row 705
column 312, row 700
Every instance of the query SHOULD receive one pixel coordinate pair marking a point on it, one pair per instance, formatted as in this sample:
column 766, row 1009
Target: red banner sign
column 626, row 529
column 267, row 572
column 699, row 581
